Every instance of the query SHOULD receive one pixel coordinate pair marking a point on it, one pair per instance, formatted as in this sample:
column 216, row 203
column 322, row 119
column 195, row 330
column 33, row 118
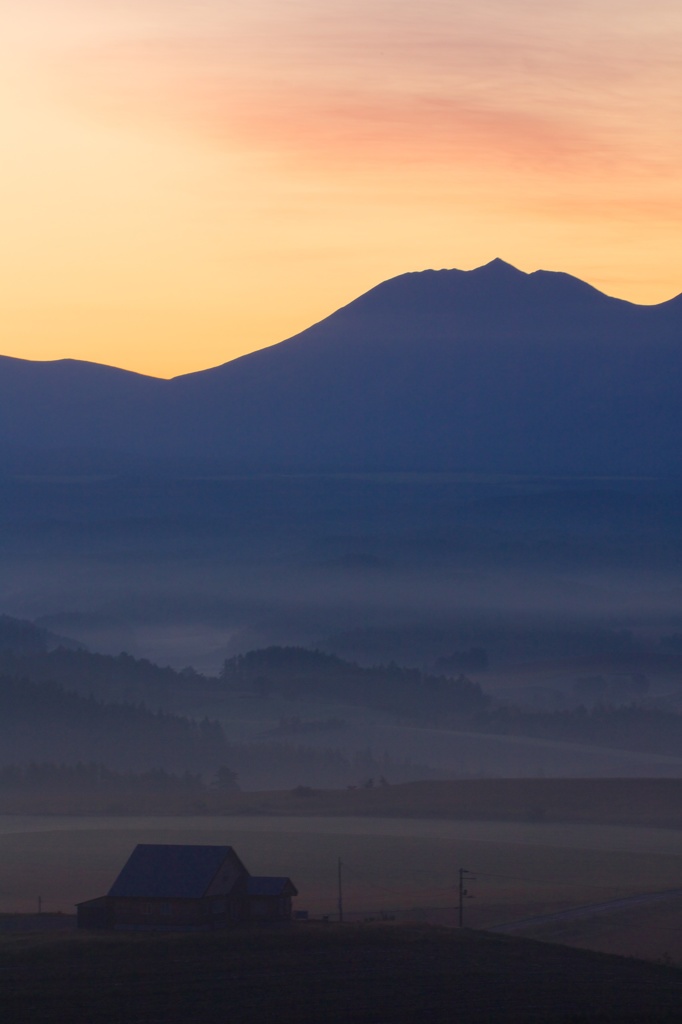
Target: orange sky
column 184, row 182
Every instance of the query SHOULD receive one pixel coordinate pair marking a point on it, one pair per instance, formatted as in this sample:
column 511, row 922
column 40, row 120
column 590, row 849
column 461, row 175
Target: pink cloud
column 559, row 89
column 335, row 120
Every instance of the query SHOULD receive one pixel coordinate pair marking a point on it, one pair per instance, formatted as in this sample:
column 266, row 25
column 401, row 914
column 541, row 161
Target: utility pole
column 340, row 895
column 463, row 892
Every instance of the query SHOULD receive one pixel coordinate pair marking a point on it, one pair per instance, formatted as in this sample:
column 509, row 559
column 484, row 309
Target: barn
column 192, row 888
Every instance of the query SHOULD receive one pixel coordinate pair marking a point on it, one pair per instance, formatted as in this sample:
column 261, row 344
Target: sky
column 185, row 182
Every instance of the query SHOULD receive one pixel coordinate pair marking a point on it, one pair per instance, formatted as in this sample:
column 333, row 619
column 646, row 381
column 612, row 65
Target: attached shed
column 193, row 888
column 270, row 898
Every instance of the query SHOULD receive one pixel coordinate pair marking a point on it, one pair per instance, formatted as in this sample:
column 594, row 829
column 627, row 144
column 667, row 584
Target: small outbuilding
column 192, row 888
column 269, row 899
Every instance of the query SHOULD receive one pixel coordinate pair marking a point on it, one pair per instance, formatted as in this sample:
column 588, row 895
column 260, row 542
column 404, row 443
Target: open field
column 309, row 973
column 624, row 801
column 544, row 846
column 418, row 751
column 650, row 928
column 391, row 866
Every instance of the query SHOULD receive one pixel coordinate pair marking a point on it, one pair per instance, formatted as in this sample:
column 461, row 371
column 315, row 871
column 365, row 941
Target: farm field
column 406, row 869
column 600, row 801
column 651, row 930
column 314, row 972
column 446, row 752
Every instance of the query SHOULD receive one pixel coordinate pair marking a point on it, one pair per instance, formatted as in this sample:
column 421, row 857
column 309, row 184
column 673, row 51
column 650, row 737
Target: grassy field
column 361, row 974
column 545, row 846
column 406, row 867
column 649, row 932
column 426, row 752
column 636, row 801
column 602, row 801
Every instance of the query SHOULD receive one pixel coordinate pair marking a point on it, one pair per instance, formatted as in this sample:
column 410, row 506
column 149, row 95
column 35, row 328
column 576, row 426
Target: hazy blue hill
column 297, row 673
column 72, row 404
column 40, row 721
column 21, row 638
column 491, row 370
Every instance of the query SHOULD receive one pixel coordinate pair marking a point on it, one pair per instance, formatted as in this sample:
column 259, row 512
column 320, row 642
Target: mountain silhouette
column 491, row 370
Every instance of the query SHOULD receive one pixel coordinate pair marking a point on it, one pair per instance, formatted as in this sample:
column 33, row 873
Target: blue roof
column 265, row 885
column 165, row 871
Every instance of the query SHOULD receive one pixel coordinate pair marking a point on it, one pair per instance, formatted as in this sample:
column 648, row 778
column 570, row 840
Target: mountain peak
column 491, row 370
column 499, row 268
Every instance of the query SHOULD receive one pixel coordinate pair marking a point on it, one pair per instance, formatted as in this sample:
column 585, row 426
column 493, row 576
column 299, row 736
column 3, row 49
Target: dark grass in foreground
column 312, row 973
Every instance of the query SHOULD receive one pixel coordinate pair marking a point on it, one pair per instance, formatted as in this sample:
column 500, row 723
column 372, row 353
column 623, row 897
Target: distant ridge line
column 491, row 370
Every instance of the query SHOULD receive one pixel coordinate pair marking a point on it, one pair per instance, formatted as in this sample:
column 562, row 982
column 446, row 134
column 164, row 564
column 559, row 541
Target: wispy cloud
column 323, row 144
column 554, row 87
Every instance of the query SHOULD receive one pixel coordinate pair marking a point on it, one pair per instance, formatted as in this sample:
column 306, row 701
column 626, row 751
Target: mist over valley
column 347, row 580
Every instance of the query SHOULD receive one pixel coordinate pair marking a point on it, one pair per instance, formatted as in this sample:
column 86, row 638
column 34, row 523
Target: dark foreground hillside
column 326, row 973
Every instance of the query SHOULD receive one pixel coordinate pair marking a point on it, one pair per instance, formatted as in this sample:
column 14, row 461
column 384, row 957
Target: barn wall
column 165, row 914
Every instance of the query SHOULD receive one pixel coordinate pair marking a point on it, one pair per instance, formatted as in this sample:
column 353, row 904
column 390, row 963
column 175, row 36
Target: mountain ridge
column 489, row 370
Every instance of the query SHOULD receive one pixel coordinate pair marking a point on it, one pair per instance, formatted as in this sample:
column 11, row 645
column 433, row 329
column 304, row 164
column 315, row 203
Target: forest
column 277, row 717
